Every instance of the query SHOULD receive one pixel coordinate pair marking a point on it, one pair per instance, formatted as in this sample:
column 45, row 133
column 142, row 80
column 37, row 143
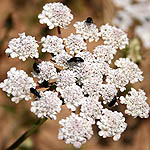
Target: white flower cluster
column 85, row 81
column 127, row 72
column 91, row 86
column 73, row 96
column 108, row 91
column 88, row 31
column 117, row 78
column 55, row 15
column 75, row 43
column 139, row 10
column 47, row 106
column 104, row 53
column 130, row 69
column 111, row 124
column 143, row 33
column 61, row 59
column 113, row 36
column 91, row 108
column 136, row 103
column 52, row 44
column 47, row 72
column 123, row 20
column 23, row 47
column 65, row 78
column 75, row 130
column 86, row 56
column 87, row 70
column 17, row 84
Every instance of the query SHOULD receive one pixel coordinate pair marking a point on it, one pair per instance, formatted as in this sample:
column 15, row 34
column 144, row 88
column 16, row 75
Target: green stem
column 27, row 134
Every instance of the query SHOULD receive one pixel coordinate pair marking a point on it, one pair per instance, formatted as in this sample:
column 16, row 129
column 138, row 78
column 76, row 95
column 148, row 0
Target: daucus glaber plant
column 76, row 78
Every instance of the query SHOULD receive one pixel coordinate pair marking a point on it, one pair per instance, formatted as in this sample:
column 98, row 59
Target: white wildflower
column 65, row 78
column 123, row 20
column 55, row 15
column 87, row 70
column 103, row 67
column 17, row 84
column 130, row 69
column 72, row 96
column 104, row 53
column 75, row 130
column 140, row 11
column 111, row 124
column 62, row 58
column 88, row 31
column 91, row 85
column 136, row 103
column 114, row 36
column 47, row 106
column 86, row 56
column 118, row 78
column 23, row 47
column 143, row 33
column 91, row 108
column 75, row 43
column 84, row 81
column 107, row 91
column 47, row 71
column 52, row 44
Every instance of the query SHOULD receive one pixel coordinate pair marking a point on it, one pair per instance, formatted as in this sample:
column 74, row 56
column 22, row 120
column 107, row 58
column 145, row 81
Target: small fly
column 36, row 68
column 35, row 92
column 89, row 21
column 44, row 84
column 75, row 60
column 114, row 100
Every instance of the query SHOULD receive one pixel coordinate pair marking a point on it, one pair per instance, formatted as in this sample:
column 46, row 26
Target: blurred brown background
column 17, row 16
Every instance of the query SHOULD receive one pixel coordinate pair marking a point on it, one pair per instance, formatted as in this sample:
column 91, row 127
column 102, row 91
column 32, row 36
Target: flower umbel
column 52, row 44
column 23, row 47
column 88, row 31
column 75, row 43
column 131, row 12
column 18, row 84
column 47, row 71
column 75, row 130
column 111, row 124
column 113, row 36
column 47, row 106
column 136, row 103
column 55, row 15
column 83, row 80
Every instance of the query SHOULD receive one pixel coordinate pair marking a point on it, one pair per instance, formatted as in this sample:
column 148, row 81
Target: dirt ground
column 17, row 16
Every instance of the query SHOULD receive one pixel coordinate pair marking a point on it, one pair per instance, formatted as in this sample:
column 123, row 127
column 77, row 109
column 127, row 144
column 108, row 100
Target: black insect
column 36, row 68
column 35, row 92
column 75, row 60
column 114, row 100
column 89, row 21
column 44, row 84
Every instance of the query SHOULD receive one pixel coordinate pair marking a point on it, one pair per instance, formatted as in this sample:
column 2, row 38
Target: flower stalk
column 27, row 134
column 59, row 32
